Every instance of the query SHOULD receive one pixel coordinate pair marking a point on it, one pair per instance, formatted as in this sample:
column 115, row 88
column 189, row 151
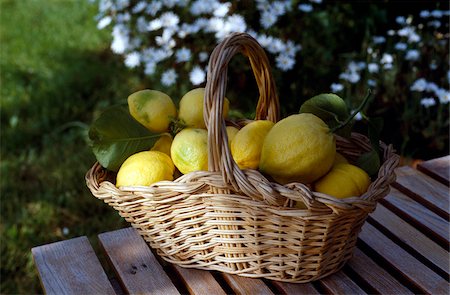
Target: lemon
column 189, row 150
column 191, row 108
column 145, row 168
column 343, row 180
column 153, row 109
column 163, row 144
column 231, row 133
column 339, row 159
column 247, row 143
column 299, row 148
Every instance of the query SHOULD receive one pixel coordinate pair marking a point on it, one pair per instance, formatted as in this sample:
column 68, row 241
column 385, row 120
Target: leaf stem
column 358, row 109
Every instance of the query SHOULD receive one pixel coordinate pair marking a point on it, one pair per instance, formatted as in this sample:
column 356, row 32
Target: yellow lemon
column 191, row 108
column 299, row 148
column 231, row 133
column 145, row 168
column 189, row 150
column 163, row 144
column 153, row 109
column 343, row 181
column 247, row 144
column 339, row 159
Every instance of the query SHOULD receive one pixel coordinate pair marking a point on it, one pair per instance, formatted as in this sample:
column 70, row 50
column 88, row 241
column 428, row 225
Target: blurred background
column 63, row 62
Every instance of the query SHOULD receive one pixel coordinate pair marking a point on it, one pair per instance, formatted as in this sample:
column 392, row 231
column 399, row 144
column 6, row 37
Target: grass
column 57, row 73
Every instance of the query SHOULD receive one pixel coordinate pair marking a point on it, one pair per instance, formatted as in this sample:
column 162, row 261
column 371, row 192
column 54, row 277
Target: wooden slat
column 340, row 283
column 199, row 282
column 294, row 289
column 424, row 189
column 423, row 219
column 412, row 237
column 71, row 267
column 243, row 285
column 374, row 275
column 137, row 268
column 402, row 262
column 438, row 168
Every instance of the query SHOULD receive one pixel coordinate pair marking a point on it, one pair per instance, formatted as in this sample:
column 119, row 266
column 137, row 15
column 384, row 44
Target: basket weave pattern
column 237, row 221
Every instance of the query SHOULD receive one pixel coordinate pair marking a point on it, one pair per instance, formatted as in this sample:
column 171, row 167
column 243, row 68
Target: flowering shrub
column 314, row 46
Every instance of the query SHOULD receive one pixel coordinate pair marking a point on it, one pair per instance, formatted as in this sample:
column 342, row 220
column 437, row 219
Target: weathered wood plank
column 424, row 189
column 438, row 168
column 294, row 289
column 199, row 282
column 137, row 269
column 243, row 285
column 404, row 263
column 374, row 275
column 340, row 283
column 412, row 237
column 423, row 219
column 71, row 267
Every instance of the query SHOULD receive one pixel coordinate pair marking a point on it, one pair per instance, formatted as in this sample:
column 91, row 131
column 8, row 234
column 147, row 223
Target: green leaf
column 375, row 127
column 369, row 162
column 331, row 109
column 116, row 135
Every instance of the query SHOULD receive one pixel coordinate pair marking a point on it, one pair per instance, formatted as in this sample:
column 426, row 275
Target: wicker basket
column 237, row 221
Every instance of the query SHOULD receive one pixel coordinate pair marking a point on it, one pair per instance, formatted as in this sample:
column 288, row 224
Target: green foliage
column 57, row 75
column 115, row 136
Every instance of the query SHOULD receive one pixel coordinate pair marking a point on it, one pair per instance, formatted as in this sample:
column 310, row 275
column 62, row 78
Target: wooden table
column 402, row 249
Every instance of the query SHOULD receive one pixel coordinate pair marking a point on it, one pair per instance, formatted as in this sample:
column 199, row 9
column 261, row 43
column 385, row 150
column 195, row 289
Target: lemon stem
column 358, row 109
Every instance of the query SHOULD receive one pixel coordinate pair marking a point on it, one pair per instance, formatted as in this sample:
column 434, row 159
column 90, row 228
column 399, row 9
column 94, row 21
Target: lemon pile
column 299, row 148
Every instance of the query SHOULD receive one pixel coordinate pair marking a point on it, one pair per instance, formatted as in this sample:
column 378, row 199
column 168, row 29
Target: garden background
column 63, row 62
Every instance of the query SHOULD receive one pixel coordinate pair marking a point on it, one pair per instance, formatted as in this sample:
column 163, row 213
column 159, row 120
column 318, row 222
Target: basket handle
column 219, row 155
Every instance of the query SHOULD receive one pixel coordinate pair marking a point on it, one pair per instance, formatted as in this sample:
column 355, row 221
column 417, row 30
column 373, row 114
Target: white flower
column 358, row 116
column 406, row 31
column 391, row 33
column 291, row 48
column 169, row 19
column 150, row 68
column 153, row 7
column 432, row 87
column 203, row 56
column 166, row 39
column 448, row 76
column 122, row 4
column 197, row 75
column 276, row 46
column 352, row 77
column 264, row 40
column 436, row 24
column 419, row 85
column 268, row 19
column 436, row 13
column 443, row 95
column 379, row 39
column 65, row 231
column 139, row 7
column 203, row 6
column 169, row 77
column 183, row 54
column 221, row 9
column 132, row 59
column 155, row 24
column 316, row 1
column 424, row 14
column 400, row 20
column 336, row 87
column 305, row 7
column 120, row 39
column 285, row 62
column 412, row 55
column 373, row 68
column 142, row 24
column 387, row 66
column 428, row 102
column 401, row 46
column 371, row 82
column 104, row 22
column 414, row 38
column 387, row 58
column 123, row 17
